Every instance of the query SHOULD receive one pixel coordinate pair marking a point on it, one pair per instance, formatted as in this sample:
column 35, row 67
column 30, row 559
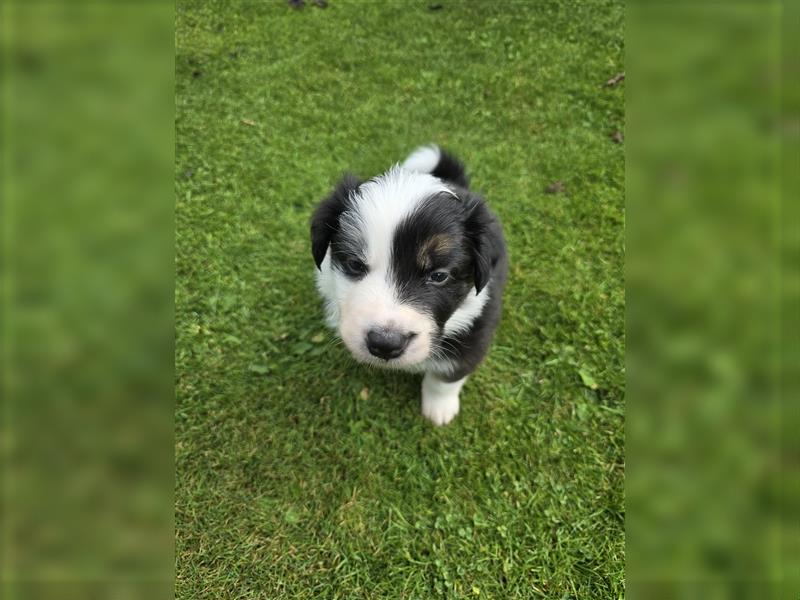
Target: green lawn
column 301, row 475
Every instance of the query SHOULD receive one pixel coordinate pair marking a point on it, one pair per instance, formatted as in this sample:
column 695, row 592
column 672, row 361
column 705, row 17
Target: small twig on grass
column 557, row 187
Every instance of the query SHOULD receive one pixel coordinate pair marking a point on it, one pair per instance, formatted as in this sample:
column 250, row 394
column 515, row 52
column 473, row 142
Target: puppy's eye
column 438, row 277
column 354, row 267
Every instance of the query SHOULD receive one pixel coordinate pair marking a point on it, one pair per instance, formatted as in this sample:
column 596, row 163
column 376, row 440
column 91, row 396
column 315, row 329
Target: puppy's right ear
column 325, row 220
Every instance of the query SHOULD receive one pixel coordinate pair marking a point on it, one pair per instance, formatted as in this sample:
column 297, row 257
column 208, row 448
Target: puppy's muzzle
column 388, row 343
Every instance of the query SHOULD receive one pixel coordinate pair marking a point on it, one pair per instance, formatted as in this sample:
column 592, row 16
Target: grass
column 300, row 475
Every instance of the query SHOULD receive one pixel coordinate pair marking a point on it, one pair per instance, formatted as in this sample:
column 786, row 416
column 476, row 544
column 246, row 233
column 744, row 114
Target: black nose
column 386, row 344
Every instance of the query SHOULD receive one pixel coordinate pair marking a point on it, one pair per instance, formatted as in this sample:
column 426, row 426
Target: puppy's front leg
column 440, row 398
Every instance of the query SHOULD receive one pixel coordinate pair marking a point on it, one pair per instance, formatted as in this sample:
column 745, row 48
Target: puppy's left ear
column 481, row 230
column 325, row 220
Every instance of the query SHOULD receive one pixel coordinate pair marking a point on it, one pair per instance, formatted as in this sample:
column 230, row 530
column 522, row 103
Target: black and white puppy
column 412, row 266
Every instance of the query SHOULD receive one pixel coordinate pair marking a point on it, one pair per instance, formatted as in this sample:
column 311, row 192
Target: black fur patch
column 325, row 220
column 451, row 170
column 490, row 268
column 440, row 218
column 475, row 258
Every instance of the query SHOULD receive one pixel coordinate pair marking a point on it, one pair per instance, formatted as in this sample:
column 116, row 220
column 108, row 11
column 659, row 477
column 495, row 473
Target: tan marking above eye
column 439, row 243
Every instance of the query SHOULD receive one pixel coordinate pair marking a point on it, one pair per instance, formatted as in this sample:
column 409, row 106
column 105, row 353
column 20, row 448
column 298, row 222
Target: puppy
column 411, row 266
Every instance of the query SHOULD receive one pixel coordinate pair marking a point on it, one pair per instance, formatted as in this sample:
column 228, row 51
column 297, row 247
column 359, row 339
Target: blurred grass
column 291, row 481
column 87, row 343
column 711, row 282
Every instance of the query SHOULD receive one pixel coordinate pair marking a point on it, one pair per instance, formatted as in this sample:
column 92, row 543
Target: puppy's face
column 398, row 256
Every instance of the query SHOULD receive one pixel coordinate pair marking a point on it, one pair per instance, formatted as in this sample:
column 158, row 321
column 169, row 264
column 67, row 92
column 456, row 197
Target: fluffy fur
column 412, row 266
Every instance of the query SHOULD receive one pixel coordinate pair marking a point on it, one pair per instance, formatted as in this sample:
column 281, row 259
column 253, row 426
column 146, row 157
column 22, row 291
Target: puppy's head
column 398, row 255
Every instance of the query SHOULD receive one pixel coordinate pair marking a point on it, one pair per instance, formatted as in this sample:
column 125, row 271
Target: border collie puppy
column 412, row 265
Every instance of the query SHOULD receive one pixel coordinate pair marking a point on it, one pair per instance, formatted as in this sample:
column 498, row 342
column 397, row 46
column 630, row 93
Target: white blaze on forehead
column 382, row 204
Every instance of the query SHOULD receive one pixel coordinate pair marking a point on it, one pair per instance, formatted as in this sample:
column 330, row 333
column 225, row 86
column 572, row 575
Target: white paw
column 440, row 398
column 440, row 411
